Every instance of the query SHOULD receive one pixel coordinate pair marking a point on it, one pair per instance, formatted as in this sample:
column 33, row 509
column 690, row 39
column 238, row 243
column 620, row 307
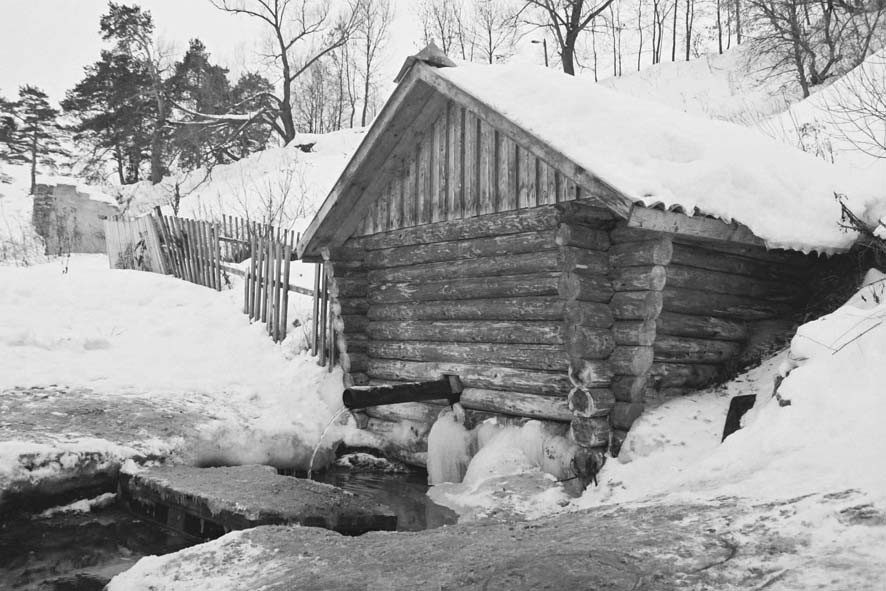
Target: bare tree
column 815, row 39
column 495, row 28
column 566, row 20
column 302, row 33
column 372, row 34
column 443, row 24
column 858, row 106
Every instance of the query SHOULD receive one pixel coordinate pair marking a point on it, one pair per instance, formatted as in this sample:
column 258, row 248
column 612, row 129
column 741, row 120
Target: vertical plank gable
column 471, row 146
column 455, row 153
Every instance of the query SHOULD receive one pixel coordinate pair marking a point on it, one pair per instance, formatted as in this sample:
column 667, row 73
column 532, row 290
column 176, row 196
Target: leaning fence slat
column 278, row 291
column 315, row 309
column 258, row 253
column 284, row 305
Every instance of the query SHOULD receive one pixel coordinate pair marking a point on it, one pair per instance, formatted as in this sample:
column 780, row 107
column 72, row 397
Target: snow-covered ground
column 86, row 336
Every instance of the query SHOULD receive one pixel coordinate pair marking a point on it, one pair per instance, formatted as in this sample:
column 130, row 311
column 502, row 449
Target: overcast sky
column 48, row 42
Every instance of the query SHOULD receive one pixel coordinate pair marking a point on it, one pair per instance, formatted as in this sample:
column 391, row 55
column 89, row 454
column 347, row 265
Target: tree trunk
column 719, row 30
column 674, row 37
column 738, row 22
column 34, row 162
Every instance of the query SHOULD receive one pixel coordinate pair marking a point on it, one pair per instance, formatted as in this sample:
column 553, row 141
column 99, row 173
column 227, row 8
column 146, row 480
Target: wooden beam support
column 702, row 228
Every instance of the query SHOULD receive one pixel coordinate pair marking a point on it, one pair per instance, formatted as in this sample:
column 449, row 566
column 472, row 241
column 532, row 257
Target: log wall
column 511, row 302
column 688, row 311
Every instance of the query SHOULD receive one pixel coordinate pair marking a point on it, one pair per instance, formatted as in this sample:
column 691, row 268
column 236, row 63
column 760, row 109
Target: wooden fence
column 134, row 244
column 266, row 286
column 205, row 253
column 192, row 250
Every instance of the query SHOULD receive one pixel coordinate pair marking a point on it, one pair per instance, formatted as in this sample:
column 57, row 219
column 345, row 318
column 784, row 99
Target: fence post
column 284, row 305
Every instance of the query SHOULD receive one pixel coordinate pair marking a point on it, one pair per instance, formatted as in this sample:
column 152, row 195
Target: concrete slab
column 208, row 502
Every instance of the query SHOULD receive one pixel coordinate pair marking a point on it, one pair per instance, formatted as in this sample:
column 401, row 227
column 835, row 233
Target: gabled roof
column 632, row 154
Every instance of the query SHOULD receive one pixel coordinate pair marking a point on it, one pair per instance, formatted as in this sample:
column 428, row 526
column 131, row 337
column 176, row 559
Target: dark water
column 83, row 551
column 402, row 492
column 77, row 551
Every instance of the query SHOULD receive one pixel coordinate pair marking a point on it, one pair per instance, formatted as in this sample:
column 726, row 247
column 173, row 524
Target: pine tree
column 115, row 112
column 30, row 131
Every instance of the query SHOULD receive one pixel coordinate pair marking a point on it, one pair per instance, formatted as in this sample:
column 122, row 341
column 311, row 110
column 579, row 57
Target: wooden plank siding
column 462, row 167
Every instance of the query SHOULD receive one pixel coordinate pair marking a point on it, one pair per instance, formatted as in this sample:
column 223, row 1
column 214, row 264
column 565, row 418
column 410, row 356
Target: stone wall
column 70, row 221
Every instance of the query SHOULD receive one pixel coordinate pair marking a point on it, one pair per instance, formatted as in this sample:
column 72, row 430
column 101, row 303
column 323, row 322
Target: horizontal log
column 587, row 214
column 634, row 332
column 698, row 227
column 715, row 281
column 590, row 403
column 690, row 255
column 354, row 362
column 355, row 378
column 636, row 305
column 350, row 305
column 589, row 314
column 591, row 373
column 583, row 342
column 520, row 404
column 789, row 258
column 687, row 249
column 565, row 258
column 344, row 287
column 543, row 357
column 419, row 412
column 587, row 288
column 400, row 256
column 636, row 254
column 351, row 323
column 624, row 414
column 672, row 349
column 481, row 331
column 397, row 429
column 669, row 375
column 694, row 301
column 503, row 286
column 590, row 431
column 705, row 327
column 622, row 233
column 344, row 257
column 630, row 388
column 631, row 361
column 352, row 342
column 639, row 278
column 501, row 309
column 497, row 224
column 581, row 236
column 474, row 376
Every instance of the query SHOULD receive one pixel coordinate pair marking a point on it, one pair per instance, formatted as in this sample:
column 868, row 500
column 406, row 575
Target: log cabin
column 491, row 227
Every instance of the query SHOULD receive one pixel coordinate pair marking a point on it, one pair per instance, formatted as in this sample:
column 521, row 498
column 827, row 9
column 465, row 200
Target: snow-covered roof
column 656, row 155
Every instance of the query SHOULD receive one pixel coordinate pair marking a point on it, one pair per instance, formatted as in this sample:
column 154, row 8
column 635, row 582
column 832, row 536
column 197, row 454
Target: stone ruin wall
column 70, row 221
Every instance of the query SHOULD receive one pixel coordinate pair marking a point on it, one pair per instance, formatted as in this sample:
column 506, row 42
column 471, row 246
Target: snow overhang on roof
column 642, row 154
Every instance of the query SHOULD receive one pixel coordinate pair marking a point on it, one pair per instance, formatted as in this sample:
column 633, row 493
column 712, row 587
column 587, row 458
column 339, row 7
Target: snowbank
column 134, row 335
column 826, row 437
column 734, row 86
column 285, row 185
column 657, row 155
